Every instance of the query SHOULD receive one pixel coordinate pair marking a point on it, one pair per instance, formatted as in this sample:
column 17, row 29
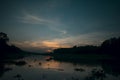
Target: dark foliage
column 3, row 39
column 110, row 46
column 76, row 50
column 5, row 49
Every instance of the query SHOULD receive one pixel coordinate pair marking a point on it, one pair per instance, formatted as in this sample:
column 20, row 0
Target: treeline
column 5, row 49
column 77, row 50
column 110, row 46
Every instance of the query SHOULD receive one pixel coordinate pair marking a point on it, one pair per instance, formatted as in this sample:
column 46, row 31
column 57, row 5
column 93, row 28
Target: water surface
column 41, row 68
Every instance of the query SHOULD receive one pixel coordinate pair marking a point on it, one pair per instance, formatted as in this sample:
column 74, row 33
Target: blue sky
column 43, row 25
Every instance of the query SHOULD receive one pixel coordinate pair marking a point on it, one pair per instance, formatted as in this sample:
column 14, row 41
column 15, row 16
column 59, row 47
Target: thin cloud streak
column 31, row 19
column 51, row 24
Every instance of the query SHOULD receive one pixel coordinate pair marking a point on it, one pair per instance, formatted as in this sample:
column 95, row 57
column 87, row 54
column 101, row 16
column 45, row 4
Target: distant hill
column 110, row 46
column 78, row 50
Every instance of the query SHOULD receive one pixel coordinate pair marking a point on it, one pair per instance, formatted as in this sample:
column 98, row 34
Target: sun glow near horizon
column 53, row 45
column 45, row 45
column 44, row 25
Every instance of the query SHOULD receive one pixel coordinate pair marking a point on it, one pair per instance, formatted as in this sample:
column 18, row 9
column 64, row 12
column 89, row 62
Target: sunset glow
column 44, row 25
column 51, row 44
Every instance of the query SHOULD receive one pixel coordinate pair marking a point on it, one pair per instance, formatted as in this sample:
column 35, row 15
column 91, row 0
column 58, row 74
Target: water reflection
column 112, row 67
column 96, row 74
column 5, row 65
column 79, row 69
column 4, row 69
column 39, row 68
column 51, row 65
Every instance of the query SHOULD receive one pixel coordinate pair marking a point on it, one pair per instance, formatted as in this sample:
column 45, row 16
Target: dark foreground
column 61, row 67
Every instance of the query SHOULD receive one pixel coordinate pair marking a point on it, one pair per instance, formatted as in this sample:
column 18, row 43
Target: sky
column 44, row 25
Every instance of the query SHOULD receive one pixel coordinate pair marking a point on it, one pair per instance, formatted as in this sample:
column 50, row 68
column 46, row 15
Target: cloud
column 95, row 38
column 49, row 45
column 54, row 25
column 39, row 46
column 33, row 46
column 32, row 19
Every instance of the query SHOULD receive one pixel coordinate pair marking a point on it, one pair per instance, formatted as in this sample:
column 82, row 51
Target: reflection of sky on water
column 41, row 69
column 51, row 64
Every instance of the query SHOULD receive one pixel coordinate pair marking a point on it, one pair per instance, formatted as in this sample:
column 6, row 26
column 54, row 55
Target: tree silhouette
column 111, row 46
column 3, row 39
column 5, row 48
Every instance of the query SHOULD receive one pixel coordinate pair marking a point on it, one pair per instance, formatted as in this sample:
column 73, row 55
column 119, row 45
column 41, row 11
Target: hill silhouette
column 5, row 49
column 78, row 50
column 110, row 46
